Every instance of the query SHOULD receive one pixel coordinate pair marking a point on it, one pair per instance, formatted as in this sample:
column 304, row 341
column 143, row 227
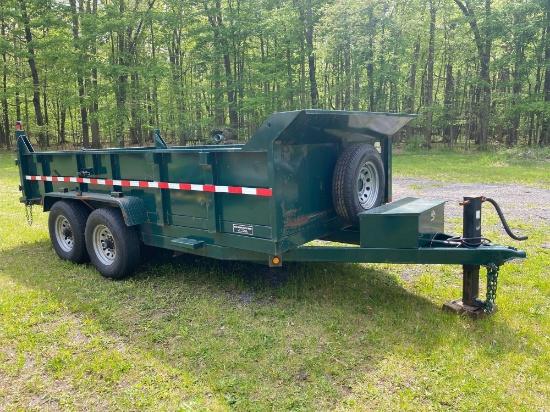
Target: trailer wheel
column 66, row 224
column 358, row 183
column 113, row 246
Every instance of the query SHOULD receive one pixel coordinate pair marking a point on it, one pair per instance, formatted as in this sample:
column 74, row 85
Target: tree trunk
column 152, row 105
column 5, row 111
column 430, row 78
column 290, row 90
column 17, row 96
column 370, row 74
column 448, row 101
column 34, row 74
column 516, row 90
column 544, row 139
column 483, row 43
column 136, row 137
column 127, row 42
column 313, row 91
column 62, row 124
column 121, row 85
column 412, row 86
column 217, row 23
column 46, row 118
column 356, row 88
column 80, row 79
column 230, row 84
column 347, row 74
column 94, row 106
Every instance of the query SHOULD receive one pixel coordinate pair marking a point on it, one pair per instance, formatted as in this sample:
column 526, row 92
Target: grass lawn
column 525, row 166
column 189, row 333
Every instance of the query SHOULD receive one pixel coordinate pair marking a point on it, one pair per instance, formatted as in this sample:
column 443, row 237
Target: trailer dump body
column 268, row 195
column 302, row 176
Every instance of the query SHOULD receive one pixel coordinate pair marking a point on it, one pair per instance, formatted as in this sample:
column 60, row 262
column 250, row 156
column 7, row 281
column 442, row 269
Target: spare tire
column 358, row 182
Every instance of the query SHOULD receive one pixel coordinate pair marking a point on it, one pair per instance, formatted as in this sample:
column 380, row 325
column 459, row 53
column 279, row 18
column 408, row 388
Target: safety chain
column 28, row 213
column 492, row 283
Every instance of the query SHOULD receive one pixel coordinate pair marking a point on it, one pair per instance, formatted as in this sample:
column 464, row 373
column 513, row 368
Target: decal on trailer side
column 243, row 229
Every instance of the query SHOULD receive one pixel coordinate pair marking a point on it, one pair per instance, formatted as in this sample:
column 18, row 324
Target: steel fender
column 133, row 210
column 132, row 207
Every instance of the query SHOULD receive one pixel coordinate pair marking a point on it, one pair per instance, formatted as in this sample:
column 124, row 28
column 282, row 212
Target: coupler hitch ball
column 470, row 304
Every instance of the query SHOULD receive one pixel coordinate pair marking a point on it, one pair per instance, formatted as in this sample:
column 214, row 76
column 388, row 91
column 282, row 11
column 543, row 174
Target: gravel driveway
column 516, row 201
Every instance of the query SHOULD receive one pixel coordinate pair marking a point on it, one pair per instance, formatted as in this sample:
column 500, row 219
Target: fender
column 132, row 207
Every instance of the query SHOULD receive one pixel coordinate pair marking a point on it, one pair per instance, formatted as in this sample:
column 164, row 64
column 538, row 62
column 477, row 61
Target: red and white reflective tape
column 255, row 191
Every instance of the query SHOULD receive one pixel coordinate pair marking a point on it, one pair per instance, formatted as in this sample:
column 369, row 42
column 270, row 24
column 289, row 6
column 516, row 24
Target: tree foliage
column 97, row 73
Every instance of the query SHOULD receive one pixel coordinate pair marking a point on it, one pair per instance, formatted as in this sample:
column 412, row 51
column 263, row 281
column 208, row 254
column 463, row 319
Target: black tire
column 66, row 224
column 113, row 247
column 358, row 183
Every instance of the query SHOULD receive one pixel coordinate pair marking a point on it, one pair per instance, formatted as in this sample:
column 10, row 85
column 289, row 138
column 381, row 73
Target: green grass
column 528, row 166
column 189, row 333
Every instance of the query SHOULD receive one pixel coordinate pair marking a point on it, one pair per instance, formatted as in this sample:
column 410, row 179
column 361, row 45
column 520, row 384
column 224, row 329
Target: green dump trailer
column 303, row 175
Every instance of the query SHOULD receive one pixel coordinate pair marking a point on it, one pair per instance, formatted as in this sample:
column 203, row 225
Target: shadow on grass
column 208, row 315
column 352, row 288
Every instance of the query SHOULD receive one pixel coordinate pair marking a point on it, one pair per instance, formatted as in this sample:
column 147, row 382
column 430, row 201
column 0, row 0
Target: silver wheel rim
column 104, row 245
column 367, row 186
column 64, row 234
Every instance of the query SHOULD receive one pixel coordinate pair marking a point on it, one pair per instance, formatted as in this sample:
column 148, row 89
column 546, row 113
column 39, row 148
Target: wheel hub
column 108, row 244
column 64, row 234
column 367, row 186
column 104, row 244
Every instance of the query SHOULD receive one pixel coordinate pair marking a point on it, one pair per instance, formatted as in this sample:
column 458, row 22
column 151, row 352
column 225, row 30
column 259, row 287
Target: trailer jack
column 470, row 304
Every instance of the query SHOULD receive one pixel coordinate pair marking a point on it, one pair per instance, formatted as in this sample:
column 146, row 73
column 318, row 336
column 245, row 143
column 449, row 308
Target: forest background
column 93, row 73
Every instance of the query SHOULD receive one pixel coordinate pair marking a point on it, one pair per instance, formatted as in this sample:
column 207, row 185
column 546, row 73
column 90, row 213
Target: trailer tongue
column 302, row 176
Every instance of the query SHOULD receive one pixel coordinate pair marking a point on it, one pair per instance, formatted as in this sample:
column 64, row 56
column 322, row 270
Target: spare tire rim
column 367, row 185
column 64, row 233
column 104, row 245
